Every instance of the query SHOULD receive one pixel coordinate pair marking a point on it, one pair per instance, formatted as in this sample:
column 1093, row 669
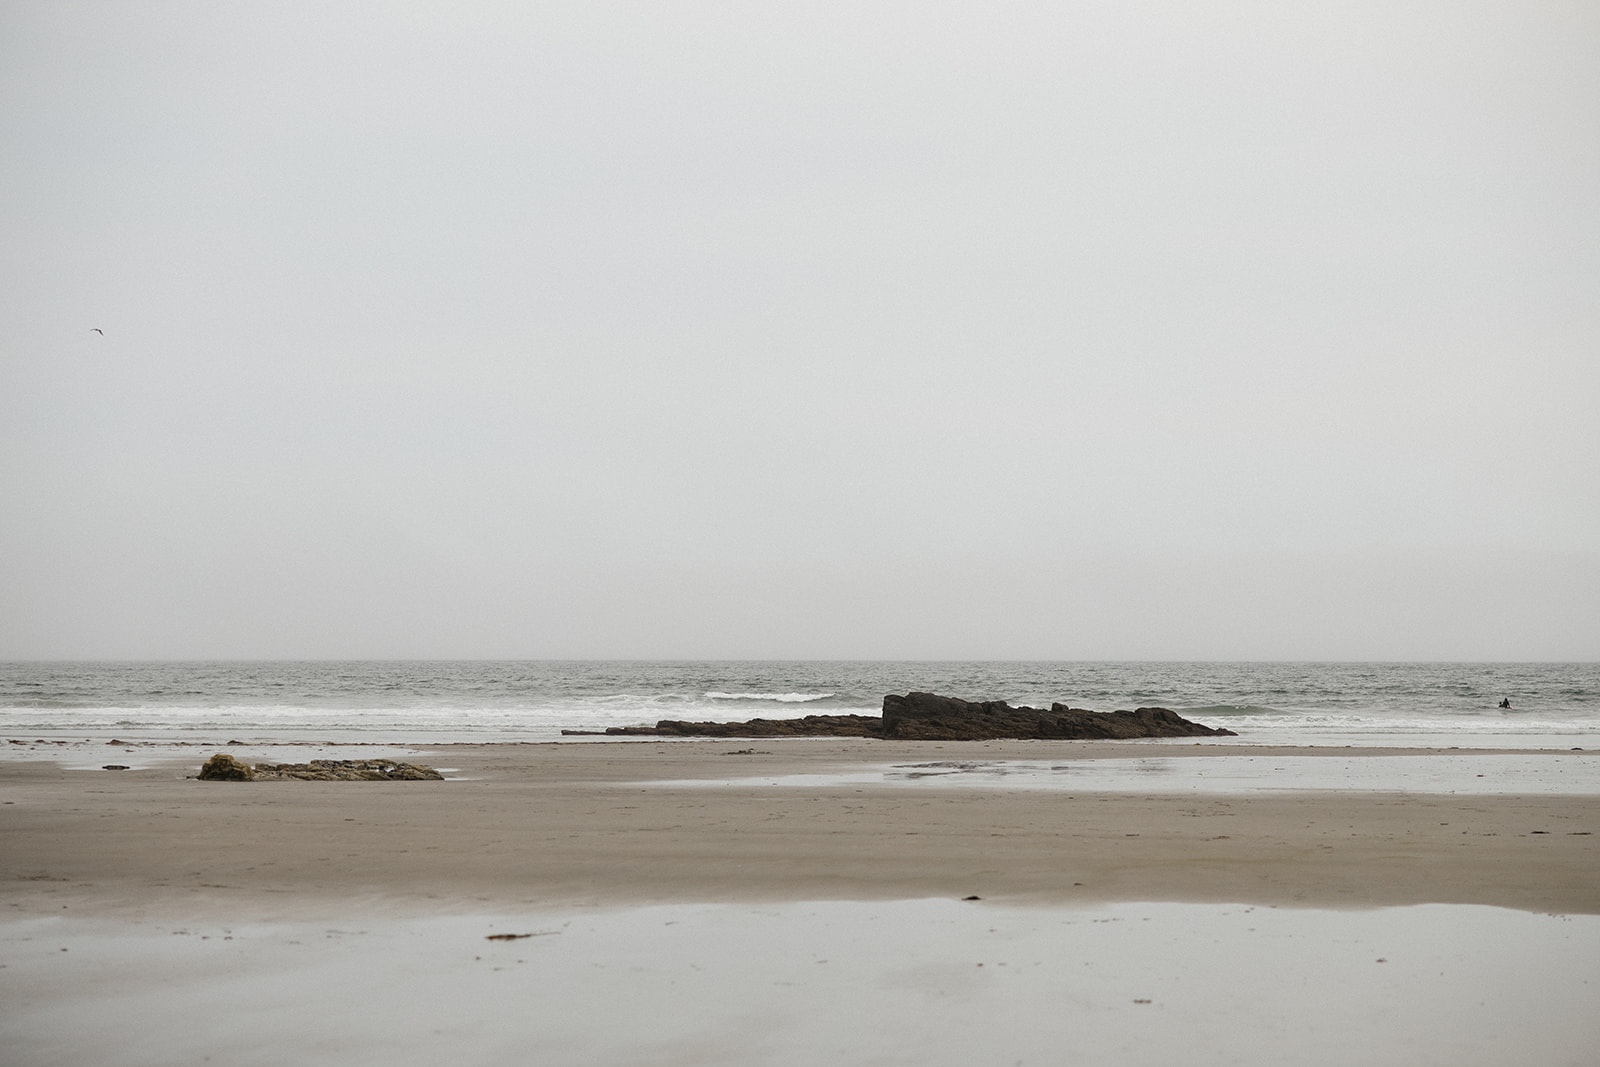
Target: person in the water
column 1505, row 702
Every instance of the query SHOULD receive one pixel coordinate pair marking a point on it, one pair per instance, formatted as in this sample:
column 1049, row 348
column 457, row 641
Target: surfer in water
column 1505, row 702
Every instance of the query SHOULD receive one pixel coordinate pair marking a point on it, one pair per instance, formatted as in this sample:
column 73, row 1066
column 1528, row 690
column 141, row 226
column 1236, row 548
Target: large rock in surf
column 224, row 768
column 930, row 717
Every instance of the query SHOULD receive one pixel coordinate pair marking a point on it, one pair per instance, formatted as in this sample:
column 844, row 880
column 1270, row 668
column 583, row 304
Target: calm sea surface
column 1552, row 704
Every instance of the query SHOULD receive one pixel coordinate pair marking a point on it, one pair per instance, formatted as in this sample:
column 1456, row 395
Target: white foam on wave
column 783, row 698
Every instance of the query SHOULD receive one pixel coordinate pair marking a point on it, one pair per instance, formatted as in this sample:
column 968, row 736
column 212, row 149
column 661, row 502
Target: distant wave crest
column 1230, row 709
column 783, row 698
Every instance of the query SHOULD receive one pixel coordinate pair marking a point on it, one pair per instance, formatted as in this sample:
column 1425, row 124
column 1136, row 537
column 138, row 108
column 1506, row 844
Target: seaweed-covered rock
column 224, row 768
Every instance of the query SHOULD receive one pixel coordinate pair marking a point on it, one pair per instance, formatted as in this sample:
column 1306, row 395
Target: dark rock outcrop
column 929, row 717
column 810, row 726
column 224, row 768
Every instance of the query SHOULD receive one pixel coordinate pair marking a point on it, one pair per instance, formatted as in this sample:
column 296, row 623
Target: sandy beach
column 113, row 880
column 535, row 825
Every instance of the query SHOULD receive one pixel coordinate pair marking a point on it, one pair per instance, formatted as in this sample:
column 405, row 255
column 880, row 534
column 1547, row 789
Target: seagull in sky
column 98, row 330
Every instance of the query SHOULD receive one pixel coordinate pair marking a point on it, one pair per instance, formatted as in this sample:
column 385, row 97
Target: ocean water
column 1553, row 705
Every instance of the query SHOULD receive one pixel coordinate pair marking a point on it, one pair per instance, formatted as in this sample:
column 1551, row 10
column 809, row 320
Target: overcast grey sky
column 999, row 330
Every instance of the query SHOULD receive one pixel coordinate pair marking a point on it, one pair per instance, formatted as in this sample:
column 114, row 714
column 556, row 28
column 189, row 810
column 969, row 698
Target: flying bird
column 98, row 330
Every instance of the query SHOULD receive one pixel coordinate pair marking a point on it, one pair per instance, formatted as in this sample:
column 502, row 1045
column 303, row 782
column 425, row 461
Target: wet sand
column 922, row 982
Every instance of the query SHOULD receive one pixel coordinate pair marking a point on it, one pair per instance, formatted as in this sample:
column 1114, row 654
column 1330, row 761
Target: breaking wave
column 783, row 698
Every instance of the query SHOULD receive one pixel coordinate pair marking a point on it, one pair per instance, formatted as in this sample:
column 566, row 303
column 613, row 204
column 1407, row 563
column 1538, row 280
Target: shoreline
column 80, row 752
column 541, row 825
